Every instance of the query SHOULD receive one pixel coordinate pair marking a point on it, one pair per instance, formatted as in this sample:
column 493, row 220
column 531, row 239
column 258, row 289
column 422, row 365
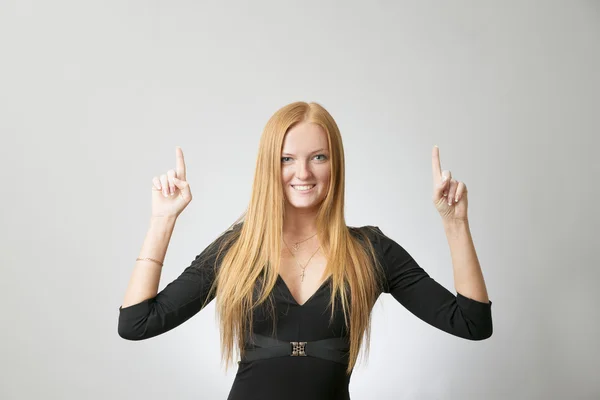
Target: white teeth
column 303, row 188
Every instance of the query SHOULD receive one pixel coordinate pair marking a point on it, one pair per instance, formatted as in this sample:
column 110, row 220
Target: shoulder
column 366, row 229
column 368, row 232
column 221, row 243
column 380, row 240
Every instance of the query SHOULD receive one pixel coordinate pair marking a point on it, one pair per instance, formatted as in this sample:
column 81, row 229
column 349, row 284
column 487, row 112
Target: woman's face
column 305, row 165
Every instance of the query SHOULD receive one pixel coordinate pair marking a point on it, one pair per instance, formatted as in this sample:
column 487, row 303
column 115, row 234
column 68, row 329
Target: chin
column 307, row 205
column 303, row 206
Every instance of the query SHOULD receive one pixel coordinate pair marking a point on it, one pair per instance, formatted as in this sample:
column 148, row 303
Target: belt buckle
column 298, row 349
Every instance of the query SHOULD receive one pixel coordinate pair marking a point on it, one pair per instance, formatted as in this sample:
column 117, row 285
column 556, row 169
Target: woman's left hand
column 449, row 195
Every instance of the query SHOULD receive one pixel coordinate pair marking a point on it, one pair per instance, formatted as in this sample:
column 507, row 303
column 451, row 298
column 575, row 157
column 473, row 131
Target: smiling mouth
column 303, row 188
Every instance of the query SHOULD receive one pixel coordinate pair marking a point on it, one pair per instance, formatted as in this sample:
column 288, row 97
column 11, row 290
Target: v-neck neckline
column 311, row 296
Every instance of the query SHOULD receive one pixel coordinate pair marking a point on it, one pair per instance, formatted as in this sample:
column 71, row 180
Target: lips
column 303, row 188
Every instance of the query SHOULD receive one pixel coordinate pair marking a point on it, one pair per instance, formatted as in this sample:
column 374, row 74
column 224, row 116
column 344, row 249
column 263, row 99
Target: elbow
column 482, row 336
column 133, row 321
column 482, row 332
column 488, row 332
column 133, row 328
column 128, row 332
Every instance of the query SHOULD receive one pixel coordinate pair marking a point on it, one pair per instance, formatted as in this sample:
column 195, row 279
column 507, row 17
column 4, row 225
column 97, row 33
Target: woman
column 294, row 284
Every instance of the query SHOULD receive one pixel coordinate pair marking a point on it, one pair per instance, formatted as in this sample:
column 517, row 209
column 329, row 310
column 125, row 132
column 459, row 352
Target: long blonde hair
column 254, row 250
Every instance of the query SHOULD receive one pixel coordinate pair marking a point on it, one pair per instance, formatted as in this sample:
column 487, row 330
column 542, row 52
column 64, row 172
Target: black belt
column 333, row 349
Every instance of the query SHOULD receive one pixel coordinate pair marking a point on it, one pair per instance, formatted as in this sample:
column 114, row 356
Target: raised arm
column 170, row 195
column 180, row 300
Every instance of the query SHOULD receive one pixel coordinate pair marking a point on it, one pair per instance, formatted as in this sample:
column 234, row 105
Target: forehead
column 304, row 138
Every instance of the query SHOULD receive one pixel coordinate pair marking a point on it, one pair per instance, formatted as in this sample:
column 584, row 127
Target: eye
column 283, row 159
column 322, row 155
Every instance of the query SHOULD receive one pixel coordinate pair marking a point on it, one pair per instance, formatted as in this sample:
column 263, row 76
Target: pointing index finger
column 180, row 169
column 436, row 165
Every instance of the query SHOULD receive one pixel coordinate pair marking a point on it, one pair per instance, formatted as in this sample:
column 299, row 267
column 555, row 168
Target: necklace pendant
column 295, row 247
column 302, row 276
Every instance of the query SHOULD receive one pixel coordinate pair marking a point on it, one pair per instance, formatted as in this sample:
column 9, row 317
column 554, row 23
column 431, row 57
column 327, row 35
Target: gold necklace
column 297, row 262
column 296, row 247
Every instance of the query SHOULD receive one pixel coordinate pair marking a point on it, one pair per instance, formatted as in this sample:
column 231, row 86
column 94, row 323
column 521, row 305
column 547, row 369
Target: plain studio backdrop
column 94, row 97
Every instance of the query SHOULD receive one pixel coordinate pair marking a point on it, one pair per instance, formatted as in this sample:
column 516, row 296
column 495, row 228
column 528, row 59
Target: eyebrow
column 316, row 151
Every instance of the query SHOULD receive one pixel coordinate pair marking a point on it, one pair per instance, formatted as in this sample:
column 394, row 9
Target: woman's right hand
column 171, row 192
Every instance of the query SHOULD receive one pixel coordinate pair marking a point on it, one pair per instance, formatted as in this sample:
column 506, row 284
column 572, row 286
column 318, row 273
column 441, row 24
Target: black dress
column 308, row 377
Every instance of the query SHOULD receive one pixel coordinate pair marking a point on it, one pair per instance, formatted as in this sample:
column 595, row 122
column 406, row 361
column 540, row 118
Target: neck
column 299, row 223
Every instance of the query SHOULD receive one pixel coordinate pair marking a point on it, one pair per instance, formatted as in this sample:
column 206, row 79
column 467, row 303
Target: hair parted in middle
column 249, row 251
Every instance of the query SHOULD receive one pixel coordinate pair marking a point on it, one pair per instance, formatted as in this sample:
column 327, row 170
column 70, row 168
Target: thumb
column 442, row 187
column 183, row 186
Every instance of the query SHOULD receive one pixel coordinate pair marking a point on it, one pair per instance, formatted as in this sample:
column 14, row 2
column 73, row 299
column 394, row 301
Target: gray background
column 94, row 97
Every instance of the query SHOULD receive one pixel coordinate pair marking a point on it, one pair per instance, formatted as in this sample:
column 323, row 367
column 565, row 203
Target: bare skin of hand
column 170, row 191
column 449, row 195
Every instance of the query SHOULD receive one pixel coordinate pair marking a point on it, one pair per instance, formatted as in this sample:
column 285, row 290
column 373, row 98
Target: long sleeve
column 180, row 300
column 412, row 287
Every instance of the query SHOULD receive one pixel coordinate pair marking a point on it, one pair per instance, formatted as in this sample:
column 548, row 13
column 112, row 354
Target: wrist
column 163, row 218
column 453, row 222
column 160, row 222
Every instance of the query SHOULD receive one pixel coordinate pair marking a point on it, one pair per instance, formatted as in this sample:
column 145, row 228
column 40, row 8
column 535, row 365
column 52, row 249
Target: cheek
column 325, row 176
column 285, row 175
column 324, row 179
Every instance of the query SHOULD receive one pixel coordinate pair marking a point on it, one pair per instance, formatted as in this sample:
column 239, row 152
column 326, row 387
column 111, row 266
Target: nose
column 302, row 171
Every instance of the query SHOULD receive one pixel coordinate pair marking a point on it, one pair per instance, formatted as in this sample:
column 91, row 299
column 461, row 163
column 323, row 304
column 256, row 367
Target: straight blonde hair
column 248, row 270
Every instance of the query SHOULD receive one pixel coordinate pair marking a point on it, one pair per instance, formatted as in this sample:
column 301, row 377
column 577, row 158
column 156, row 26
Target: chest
column 302, row 275
column 301, row 308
